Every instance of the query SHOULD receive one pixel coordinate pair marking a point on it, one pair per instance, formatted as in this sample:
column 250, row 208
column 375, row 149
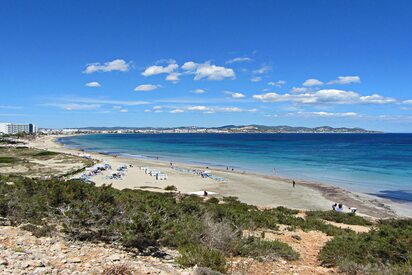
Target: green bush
column 334, row 216
column 389, row 244
column 46, row 154
column 8, row 160
column 170, row 188
column 192, row 255
column 258, row 248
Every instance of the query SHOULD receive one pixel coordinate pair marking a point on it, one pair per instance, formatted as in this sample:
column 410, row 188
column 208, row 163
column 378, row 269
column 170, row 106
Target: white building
column 10, row 128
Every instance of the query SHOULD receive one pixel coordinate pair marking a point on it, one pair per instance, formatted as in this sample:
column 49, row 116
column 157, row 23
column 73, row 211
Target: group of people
column 339, row 208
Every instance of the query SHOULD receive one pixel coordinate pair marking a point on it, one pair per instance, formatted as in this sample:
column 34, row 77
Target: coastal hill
column 233, row 129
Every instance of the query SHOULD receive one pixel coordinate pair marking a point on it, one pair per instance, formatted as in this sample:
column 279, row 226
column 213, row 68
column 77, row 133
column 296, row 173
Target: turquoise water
column 378, row 164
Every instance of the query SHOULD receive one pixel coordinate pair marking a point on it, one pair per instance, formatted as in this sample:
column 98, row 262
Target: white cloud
column 146, row 87
column 376, row 99
column 324, row 114
column 300, row 90
column 198, row 108
column 165, row 61
column 147, row 111
column 409, row 101
column 115, row 65
column 262, row 70
column 155, row 70
column 208, row 71
column 239, row 59
column 312, row 82
column 189, row 66
column 93, row 84
column 330, row 96
column 102, row 101
column 123, row 110
column 278, row 83
column 10, row 107
column 211, row 110
column 199, row 91
column 234, row 95
column 157, row 107
column 345, row 80
column 117, row 107
column 256, row 79
column 173, row 77
column 76, row 106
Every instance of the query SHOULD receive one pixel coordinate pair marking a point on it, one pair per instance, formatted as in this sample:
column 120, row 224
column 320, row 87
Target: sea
column 375, row 164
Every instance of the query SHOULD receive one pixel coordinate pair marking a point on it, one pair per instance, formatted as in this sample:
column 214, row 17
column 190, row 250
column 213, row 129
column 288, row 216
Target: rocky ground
column 22, row 253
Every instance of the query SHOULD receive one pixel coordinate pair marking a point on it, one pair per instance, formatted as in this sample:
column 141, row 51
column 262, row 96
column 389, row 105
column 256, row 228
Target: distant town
column 10, row 128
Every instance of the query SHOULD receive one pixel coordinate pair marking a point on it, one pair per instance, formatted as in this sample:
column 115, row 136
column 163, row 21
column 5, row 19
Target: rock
column 114, row 258
column 75, row 260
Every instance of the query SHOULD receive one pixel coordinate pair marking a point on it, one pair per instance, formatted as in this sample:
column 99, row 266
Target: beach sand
column 256, row 189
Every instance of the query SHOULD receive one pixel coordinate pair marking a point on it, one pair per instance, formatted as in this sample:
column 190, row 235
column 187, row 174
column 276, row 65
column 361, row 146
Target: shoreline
column 250, row 187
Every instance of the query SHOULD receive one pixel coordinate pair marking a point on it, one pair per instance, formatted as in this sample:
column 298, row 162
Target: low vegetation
column 8, row 160
column 205, row 232
column 387, row 247
column 32, row 162
column 334, row 216
column 170, row 188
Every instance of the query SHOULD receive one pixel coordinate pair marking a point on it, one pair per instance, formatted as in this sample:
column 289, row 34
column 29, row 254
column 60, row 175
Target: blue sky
column 207, row 63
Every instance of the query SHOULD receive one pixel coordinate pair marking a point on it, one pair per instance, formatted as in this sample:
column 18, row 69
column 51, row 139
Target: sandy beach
column 256, row 189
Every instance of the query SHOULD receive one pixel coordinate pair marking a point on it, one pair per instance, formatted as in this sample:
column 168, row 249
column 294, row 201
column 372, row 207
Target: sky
column 69, row 64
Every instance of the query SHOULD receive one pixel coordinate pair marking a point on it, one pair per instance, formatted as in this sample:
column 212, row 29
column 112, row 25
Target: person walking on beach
column 293, row 183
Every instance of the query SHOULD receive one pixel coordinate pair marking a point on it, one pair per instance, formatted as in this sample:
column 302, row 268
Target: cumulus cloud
column 173, row 77
column 312, row 82
column 235, row 95
column 330, row 96
column 409, row 101
column 93, row 84
column 256, row 79
column 239, row 59
column 115, row 65
column 208, row 71
column 346, row 80
column 176, row 111
column 155, row 70
column 301, row 90
column 262, row 70
column 146, row 87
column 123, row 111
column 278, row 83
column 199, row 91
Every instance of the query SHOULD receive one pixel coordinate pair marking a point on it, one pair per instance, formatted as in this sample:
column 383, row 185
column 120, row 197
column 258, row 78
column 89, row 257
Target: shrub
column 220, row 235
column 171, row 188
column 258, row 248
column 39, row 231
column 8, row 160
column 120, row 269
column 192, row 255
column 389, row 244
column 45, row 154
column 347, row 218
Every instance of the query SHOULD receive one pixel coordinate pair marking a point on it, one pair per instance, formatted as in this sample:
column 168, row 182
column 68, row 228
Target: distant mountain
column 238, row 129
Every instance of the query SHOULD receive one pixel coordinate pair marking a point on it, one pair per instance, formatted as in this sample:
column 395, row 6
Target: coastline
column 252, row 188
